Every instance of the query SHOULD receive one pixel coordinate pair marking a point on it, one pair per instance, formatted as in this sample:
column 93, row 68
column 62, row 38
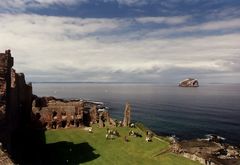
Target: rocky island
column 189, row 82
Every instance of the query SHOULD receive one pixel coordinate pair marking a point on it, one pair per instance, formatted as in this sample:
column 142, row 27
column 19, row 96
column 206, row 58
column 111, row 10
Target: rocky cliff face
column 190, row 82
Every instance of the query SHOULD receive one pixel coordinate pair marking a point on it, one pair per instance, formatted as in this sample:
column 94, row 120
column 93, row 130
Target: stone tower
column 15, row 102
column 127, row 115
column 94, row 114
column 6, row 63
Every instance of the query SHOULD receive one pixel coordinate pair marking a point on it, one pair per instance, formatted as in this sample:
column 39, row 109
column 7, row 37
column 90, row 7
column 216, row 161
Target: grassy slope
column 93, row 148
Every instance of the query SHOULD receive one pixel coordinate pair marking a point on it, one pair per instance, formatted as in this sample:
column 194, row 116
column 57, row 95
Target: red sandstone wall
column 15, row 100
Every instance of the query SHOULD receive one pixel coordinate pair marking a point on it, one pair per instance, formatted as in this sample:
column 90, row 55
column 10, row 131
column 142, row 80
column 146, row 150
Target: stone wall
column 6, row 63
column 16, row 117
column 59, row 113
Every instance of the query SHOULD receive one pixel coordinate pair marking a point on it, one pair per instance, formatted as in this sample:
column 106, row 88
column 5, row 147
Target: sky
column 158, row 41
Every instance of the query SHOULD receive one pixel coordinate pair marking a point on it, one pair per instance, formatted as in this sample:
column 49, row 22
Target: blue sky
column 123, row 40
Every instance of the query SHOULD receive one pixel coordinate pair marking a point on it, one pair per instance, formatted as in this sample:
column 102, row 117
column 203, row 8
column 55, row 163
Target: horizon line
column 109, row 82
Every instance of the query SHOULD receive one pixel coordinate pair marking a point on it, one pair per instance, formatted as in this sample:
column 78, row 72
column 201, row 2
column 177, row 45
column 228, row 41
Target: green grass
column 77, row 146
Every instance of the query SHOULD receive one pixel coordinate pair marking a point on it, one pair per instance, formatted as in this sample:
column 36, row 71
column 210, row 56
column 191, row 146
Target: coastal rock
column 206, row 152
column 190, row 82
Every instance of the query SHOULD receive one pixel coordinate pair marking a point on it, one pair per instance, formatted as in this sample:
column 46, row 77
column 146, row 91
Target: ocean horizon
column 166, row 109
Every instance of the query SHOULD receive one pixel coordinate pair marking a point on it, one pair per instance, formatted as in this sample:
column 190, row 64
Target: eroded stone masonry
column 15, row 98
column 59, row 113
column 15, row 103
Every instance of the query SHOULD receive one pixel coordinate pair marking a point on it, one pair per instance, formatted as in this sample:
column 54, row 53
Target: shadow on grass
column 30, row 148
column 68, row 153
column 27, row 146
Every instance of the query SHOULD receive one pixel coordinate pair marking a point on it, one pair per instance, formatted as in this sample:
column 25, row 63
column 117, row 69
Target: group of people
column 149, row 136
column 120, row 124
column 111, row 134
column 133, row 133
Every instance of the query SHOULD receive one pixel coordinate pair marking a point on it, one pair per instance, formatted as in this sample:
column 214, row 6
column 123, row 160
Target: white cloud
column 44, row 51
column 11, row 3
column 166, row 20
column 68, row 2
column 215, row 25
column 35, row 26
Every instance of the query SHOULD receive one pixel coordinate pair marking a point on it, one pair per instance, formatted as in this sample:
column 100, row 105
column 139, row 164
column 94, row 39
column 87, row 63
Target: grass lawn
column 78, row 146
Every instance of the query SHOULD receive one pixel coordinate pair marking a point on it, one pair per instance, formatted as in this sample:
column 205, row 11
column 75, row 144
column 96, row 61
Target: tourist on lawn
column 126, row 139
column 90, row 130
column 54, row 120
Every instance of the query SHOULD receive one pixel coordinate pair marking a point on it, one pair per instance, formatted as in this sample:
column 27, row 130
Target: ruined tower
column 94, row 114
column 127, row 115
column 6, row 63
column 15, row 101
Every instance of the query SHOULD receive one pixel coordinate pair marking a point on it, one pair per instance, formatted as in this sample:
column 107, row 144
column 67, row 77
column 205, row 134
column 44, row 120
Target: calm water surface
column 184, row 112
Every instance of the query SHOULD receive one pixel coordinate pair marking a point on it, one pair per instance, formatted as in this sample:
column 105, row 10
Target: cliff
column 190, row 82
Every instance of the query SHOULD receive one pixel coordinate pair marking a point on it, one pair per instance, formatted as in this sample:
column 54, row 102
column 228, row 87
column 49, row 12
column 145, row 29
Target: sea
column 170, row 110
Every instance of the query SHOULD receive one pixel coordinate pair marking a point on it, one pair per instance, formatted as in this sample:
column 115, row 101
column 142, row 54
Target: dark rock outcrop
column 208, row 152
column 190, row 82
